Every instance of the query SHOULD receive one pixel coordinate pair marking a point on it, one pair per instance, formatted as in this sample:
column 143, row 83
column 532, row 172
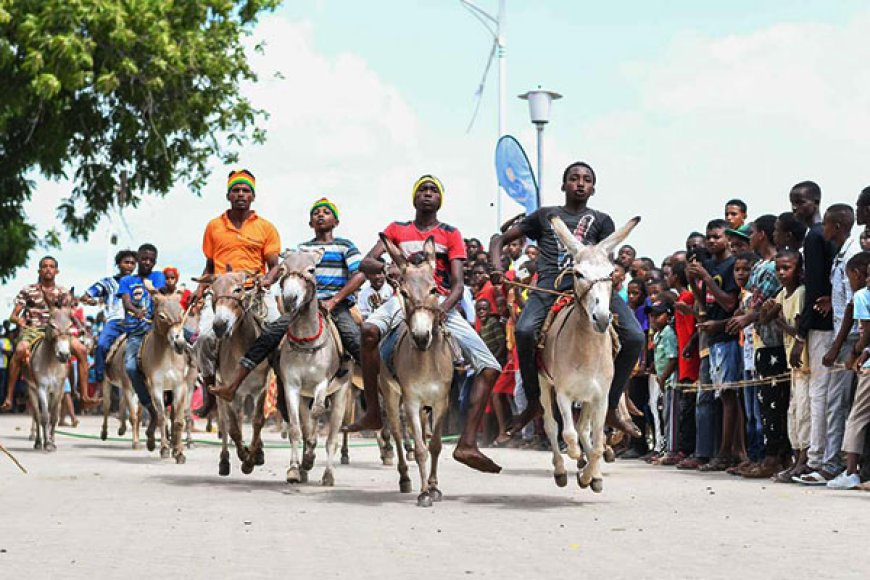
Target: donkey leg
column 255, row 451
column 438, row 415
column 339, row 402
column 223, row 419
column 180, row 404
column 294, row 431
column 44, row 418
column 421, row 453
column 53, row 418
column 391, row 407
column 592, row 472
column 582, row 427
column 569, row 433
column 106, row 390
column 349, row 401
column 552, row 430
column 35, row 417
column 134, row 411
column 309, row 438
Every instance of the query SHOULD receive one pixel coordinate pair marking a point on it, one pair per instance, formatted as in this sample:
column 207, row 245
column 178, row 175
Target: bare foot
column 225, row 392
column 614, row 420
column 7, row 404
column 531, row 412
column 88, row 402
column 473, row 458
column 369, row 422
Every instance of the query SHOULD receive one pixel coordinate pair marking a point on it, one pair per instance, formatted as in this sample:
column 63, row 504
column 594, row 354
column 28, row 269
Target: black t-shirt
column 723, row 273
column 589, row 226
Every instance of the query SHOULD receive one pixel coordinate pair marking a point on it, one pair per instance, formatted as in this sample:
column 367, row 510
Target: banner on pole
column 515, row 174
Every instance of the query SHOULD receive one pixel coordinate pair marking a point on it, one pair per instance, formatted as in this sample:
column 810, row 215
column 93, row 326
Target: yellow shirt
column 791, row 309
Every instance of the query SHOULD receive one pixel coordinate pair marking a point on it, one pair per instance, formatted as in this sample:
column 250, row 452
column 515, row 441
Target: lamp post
column 539, row 112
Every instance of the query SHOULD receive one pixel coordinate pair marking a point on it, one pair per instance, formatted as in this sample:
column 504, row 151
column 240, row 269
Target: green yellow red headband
column 242, row 177
column 323, row 202
column 427, row 179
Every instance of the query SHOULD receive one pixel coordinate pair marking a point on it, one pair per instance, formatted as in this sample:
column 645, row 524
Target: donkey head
column 168, row 316
column 59, row 332
column 298, row 282
column 593, row 270
column 419, row 292
column 228, row 294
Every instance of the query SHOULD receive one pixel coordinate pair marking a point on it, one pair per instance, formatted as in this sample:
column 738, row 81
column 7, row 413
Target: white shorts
column 389, row 315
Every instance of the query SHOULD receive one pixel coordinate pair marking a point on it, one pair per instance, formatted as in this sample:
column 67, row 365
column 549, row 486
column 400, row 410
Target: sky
column 678, row 105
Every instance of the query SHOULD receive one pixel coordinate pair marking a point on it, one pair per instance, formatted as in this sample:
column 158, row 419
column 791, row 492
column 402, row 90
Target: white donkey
column 310, row 361
column 577, row 359
column 47, row 373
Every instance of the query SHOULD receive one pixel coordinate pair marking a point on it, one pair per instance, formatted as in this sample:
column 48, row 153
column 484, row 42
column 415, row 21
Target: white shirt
column 841, row 292
column 369, row 299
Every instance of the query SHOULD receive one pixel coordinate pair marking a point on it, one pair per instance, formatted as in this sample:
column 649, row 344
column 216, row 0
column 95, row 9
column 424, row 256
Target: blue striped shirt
column 340, row 261
column 107, row 290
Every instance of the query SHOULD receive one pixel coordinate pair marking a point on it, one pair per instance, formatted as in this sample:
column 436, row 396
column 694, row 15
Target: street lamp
column 539, row 112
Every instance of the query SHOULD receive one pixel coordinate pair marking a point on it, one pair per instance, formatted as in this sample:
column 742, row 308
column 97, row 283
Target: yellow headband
column 428, row 179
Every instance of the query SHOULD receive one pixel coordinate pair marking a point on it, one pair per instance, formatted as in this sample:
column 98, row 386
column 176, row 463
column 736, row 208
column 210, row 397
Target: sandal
column 718, row 464
column 761, row 471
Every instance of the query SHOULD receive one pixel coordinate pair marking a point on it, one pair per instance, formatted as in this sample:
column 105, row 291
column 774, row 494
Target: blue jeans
column 131, row 363
column 754, row 427
column 110, row 333
column 707, row 429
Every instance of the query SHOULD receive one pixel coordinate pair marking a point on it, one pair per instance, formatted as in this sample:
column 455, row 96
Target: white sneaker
column 844, row 481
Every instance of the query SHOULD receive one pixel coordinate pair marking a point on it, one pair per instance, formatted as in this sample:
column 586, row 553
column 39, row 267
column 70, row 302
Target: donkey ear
column 429, row 250
column 565, row 236
column 610, row 242
column 394, row 252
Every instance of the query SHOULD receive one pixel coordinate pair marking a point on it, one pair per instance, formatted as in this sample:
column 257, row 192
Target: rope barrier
column 217, row 443
column 771, row 381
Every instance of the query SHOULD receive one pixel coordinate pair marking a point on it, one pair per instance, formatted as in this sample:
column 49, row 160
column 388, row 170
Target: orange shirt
column 243, row 248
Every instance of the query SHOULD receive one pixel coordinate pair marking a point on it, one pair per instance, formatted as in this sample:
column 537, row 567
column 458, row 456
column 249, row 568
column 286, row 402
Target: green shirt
column 665, row 350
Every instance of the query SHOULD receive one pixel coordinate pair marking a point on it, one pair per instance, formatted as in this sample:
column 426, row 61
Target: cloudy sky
column 678, row 105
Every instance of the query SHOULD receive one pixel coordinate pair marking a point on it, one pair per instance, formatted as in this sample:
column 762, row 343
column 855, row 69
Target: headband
column 427, row 179
column 241, row 177
column 323, row 202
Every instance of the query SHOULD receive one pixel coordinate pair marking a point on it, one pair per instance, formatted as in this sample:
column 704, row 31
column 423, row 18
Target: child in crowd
column 638, row 387
column 492, row 331
column 743, row 265
column 785, row 309
column 666, row 356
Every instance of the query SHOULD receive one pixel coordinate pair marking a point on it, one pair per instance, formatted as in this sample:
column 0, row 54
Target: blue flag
column 515, row 174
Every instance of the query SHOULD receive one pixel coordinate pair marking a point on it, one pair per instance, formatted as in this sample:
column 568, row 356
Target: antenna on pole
column 495, row 25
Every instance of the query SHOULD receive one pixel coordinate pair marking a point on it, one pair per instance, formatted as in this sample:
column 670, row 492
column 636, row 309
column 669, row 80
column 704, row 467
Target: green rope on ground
column 217, row 442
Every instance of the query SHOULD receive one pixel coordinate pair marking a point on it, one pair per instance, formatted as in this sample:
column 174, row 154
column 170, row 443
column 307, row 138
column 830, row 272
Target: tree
column 95, row 88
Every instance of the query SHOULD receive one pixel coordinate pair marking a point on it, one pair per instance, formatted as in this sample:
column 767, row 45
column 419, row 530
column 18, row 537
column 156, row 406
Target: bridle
column 589, row 283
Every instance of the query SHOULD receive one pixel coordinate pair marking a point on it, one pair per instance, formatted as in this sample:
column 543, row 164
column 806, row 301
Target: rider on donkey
column 31, row 313
column 242, row 240
column 338, row 278
column 590, row 227
column 450, row 257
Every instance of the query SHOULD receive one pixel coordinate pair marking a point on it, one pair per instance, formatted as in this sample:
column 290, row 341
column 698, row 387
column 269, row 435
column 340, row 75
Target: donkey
column 238, row 322
column 577, row 356
column 161, row 358
column 128, row 404
column 423, row 363
column 48, row 372
column 310, row 363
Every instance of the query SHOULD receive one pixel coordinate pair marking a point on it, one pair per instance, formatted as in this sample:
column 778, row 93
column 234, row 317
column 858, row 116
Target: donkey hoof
column 294, row 475
column 580, row 481
column 164, row 453
column 561, row 479
column 180, row 459
column 37, row 444
column 387, row 460
column 49, row 446
column 259, row 457
column 405, row 485
column 247, row 467
column 308, row 462
column 104, row 434
column 303, row 476
column 224, row 468
column 328, row 479
column 345, row 459
column 423, row 500
column 435, row 494
column 597, row 484
column 581, row 463
column 609, row 455
column 122, row 429
column 151, row 444
column 243, row 453
column 136, row 445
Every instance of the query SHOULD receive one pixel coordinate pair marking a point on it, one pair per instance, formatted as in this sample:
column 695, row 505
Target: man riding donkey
column 338, row 278
column 237, row 240
column 409, row 238
column 589, row 226
column 31, row 313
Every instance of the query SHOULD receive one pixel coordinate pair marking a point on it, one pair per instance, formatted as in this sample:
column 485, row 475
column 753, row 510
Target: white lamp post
column 539, row 112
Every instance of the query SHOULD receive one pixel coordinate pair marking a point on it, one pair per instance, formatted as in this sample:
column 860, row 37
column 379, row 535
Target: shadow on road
column 514, row 502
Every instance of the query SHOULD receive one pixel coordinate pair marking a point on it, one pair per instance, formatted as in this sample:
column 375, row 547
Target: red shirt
column 448, row 246
column 684, row 325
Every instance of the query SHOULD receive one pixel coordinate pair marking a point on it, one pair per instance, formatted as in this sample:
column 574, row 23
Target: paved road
column 100, row 509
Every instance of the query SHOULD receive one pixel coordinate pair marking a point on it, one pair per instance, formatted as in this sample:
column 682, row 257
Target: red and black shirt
column 448, row 246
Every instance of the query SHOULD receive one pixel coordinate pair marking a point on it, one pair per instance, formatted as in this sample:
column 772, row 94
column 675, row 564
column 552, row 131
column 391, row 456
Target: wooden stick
column 12, row 457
